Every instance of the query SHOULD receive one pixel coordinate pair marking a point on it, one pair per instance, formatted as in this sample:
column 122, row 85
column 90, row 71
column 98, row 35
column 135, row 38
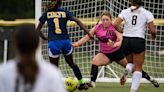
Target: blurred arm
column 82, row 26
column 117, row 23
column 84, row 39
column 152, row 29
column 39, row 27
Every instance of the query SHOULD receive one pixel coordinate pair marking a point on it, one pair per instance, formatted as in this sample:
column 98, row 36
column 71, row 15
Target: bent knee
column 94, row 62
column 99, row 63
column 137, row 68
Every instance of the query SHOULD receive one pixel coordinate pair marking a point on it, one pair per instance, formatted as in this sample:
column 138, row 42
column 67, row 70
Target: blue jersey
column 57, row 23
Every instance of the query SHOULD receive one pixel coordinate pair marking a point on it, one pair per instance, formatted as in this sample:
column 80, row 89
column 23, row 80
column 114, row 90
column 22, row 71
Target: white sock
column 137, row 75
column 129, row 67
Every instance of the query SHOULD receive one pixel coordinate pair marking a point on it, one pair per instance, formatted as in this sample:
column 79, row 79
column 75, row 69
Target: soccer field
column 115, row 87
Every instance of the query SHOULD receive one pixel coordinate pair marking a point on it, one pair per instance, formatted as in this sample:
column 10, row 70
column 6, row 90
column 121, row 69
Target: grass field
column 115, row 87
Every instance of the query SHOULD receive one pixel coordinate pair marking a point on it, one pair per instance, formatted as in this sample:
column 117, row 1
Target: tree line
column 17, row 9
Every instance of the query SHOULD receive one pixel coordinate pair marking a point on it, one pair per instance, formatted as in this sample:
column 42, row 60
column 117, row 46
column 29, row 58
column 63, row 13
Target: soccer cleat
column 91, row 84
column 124, row 77
column 155, row 83
column 83, row 87
column 123, row 80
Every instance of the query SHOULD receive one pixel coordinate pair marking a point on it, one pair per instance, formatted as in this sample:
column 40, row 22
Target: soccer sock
column 146, row 76
column 137, row 75
column 94, row 72
column 77, row 73
column 129, row 67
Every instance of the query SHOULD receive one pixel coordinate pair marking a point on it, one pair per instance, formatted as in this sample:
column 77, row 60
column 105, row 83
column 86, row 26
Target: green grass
column 115, row 87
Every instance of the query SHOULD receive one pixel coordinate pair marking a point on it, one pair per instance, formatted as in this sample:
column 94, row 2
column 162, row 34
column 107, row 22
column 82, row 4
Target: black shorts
column 116, row 56
column 133, row 45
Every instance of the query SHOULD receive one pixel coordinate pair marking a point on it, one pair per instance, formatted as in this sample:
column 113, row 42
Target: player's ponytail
column 54, row 4
column 26, row 41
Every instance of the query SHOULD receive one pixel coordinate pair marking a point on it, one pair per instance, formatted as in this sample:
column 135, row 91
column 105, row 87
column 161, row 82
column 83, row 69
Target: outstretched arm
column 39, row 30
column 84, row 39
column 82, row 26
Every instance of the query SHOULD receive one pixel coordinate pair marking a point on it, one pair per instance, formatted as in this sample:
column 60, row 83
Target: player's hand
column 153, row 36
column 110, row 43
column 75, row 45
column 118, row 44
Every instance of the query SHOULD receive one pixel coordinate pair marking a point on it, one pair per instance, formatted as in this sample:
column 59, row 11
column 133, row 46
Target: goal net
column 89, row 11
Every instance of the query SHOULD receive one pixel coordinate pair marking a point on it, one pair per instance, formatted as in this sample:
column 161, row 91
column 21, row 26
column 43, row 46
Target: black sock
column 77, row 72
column 94, row 72
column 145, row 75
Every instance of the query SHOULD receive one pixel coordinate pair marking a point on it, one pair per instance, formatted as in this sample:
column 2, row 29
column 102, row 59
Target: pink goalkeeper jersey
column 103, row 35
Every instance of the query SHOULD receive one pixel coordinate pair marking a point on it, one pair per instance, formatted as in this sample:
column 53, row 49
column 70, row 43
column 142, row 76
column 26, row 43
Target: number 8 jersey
column 57, row 23
column 135, row 22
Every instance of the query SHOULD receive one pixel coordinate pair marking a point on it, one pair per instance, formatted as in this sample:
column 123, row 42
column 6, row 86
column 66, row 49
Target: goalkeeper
column 58, row 38
column 110, row 42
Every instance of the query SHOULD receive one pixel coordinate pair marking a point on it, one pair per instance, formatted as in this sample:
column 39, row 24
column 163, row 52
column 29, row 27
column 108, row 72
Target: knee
column 137, row 68
column 94, row 62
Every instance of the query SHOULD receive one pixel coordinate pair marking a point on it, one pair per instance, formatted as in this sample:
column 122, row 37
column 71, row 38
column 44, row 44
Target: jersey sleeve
column 121, row 15
column 69, row 15
column 149, row 17
column 43, row 18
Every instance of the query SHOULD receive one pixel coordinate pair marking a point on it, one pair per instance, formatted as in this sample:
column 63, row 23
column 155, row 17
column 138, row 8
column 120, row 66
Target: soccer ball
column 71, row 83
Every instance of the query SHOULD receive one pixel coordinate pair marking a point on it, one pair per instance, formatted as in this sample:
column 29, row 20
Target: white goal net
column 89, row 11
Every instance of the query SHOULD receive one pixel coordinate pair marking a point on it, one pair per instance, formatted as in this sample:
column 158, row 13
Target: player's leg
column 54, row 52
column 67, row 50
column 153, row 81
column 54, row 61
column 128, row 68
column 138, row 49
column 77, row 72
column 119, row 57
column 99, row 60
column 126, row 49
column 138, row 60
column 144, row 74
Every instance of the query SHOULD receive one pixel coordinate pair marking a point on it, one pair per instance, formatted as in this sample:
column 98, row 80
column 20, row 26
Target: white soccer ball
column 71, row 83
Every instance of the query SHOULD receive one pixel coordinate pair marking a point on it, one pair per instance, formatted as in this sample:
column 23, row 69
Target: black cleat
column 91, row 84
column 155, row 83
column 83, row 87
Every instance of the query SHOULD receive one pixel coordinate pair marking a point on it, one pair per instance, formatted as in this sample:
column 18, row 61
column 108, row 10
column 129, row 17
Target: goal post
column 89, row 12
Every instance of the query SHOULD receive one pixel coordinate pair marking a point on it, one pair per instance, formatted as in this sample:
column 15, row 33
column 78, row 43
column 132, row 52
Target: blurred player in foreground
column 136, row 18
column 58, row 38
column 25, row 73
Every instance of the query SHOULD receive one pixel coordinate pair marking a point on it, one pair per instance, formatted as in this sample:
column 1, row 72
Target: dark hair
column 106, row 13
column 54, row 4
column 26, row 39
column 136, row 2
